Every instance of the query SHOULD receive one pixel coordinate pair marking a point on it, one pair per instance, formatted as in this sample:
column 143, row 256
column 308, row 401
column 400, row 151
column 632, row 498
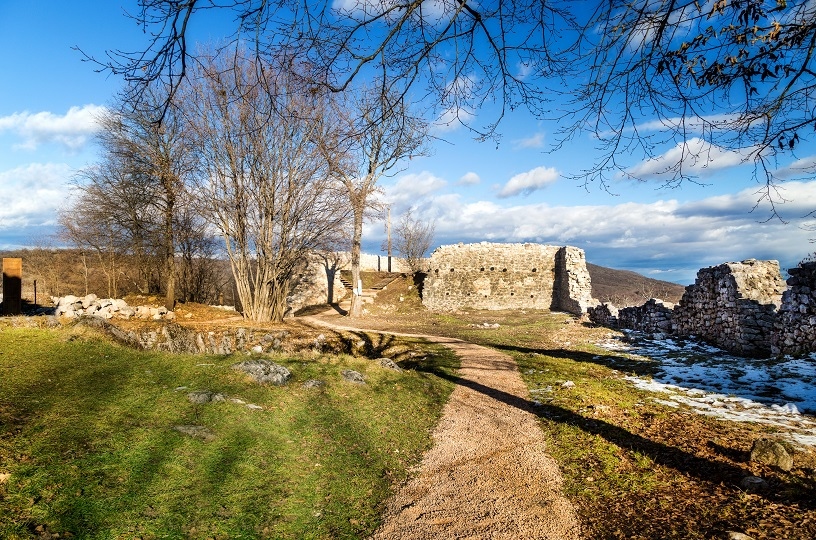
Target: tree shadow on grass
column 638, row 367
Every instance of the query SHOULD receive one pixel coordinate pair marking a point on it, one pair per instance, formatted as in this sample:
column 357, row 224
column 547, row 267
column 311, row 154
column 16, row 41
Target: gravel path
column 488, row 474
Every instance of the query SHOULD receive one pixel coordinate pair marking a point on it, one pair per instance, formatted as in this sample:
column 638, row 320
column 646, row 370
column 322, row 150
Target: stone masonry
column 733, row 306
column 655, row 317
column 795, row 327
column 507, row 276
column 742, row 307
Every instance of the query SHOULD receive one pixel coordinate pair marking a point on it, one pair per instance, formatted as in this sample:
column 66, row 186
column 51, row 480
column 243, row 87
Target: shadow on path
column 660, row 453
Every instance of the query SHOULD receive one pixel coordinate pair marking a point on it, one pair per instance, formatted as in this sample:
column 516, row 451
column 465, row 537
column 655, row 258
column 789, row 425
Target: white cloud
column 534, row 141
column 529, row 181
column 454, row 114
column 32, row 194
column 692, row 157
column 453, row 118
column 432, row 11
column 71, row 130
column 523, row 70
column 411, row 188
column 693, row 124
column 469, row 179
column 666, row 236
column 805, row 167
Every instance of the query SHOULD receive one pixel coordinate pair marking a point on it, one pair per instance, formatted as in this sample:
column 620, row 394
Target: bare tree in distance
column 413, row 238
column 160, row 154
column 111, row 217
column 263, row 181
column 374, row 132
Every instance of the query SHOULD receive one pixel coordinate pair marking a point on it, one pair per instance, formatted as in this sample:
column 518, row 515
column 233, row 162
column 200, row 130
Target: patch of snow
column 775, row 392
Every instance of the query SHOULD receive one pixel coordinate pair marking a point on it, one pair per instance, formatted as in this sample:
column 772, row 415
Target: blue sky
column 515, row 191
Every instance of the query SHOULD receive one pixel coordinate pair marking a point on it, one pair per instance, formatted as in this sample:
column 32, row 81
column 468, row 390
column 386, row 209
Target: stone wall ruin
column 507, row 276
column 733, row 306
column 742, row 307
column 795, row 325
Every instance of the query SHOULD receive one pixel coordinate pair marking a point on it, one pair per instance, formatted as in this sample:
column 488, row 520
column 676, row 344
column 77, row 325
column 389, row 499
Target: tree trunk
column 356, row 309
column 169, row 248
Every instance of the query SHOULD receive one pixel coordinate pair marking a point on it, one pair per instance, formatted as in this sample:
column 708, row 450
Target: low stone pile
column 107, row 308
column 654, row 317
column 795, row 327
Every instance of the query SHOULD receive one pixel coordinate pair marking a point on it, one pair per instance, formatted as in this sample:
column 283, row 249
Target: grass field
column 89, row 446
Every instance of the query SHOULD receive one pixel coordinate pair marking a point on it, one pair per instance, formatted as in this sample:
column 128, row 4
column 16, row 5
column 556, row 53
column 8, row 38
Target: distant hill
column 625, row 288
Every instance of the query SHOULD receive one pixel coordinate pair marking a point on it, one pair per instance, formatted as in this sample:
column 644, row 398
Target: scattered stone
column 319, row 343
column 264, row 371
column 353, row 376
column 4, row 477
column 253, row 406
column 733, row 535
column 387, row 363
column 753, row 483
column 314, row 383
column 106, row 308
column 198, row 432
column 771, row 452
column 567, row 384
column 257, row 349
column 201, row 397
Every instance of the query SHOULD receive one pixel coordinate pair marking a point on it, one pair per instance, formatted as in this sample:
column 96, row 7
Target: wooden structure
column 12, row 286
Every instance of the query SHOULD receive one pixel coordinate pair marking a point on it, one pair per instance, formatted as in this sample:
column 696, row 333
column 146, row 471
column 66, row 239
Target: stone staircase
column 369, row 295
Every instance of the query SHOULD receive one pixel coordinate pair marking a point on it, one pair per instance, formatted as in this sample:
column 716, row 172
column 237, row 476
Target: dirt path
column 488, row 474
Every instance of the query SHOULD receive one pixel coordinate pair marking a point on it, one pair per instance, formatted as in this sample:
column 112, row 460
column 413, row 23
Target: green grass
column 576, row 419
column 86, row 434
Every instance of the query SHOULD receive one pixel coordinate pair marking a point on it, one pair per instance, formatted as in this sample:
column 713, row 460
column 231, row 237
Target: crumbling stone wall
column 733, row 306
column 604, row 315
column 654, row 317
column 572, row 290
column 795, row 327
column 318, row 283
column 507, row 276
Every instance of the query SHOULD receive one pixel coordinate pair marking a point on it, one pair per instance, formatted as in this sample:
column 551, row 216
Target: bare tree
column 412, row 239
column 460, row 52
column 707, row 77
column 374, row 133
column 109, row 217
column 197, row 270
column 711, row 78
column 159, row 155
column 263, row 181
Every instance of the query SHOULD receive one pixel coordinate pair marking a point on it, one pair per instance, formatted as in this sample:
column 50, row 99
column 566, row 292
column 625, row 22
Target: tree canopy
column 731, row 77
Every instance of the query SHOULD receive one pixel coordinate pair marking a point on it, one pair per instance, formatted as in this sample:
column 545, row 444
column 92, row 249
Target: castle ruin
column 507, row 276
